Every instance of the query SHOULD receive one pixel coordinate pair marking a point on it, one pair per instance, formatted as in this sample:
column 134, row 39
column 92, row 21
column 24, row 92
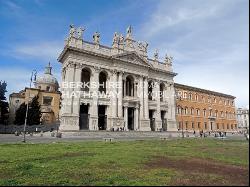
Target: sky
column 209, row 40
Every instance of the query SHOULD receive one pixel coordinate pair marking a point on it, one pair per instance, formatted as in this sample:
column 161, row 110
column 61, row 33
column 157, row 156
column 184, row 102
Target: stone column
column 172, row 125
column 69, row 117
column 114, row 98
column 144, row 123
column 136, row 122
column 140, row 94
column 93, row 111
column 146, row 112
column 120, row 95
column 126, row 117
column 76, row 101
column 158, row 121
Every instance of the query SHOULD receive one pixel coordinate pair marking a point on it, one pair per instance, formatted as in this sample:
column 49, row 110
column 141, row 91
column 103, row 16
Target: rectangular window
column 192, row 125
column 205, row 125
column 218, row 127
column 199, row 125
column 47, row 100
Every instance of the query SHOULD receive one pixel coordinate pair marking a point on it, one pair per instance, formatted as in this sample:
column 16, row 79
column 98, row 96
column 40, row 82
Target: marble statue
column 168, row 59
column 115, row 38
column 143, row 46
column 72, row 31
column 80, row 32
column 156, row 54
column 121, row 39
column 96, row 38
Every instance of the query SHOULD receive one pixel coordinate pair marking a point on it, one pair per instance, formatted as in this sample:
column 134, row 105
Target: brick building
column 200, row 109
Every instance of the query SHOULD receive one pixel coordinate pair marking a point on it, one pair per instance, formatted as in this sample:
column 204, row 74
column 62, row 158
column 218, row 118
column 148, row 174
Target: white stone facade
column 127, row 64
column 243, row 118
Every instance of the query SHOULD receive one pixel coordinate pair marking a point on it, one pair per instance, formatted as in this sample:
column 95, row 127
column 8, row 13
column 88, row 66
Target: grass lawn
column 173, row 162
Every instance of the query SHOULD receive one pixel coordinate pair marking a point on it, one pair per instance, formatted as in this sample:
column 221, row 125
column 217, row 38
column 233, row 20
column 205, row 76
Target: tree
column 34, row 113
column 3, row 103
column 20, row 114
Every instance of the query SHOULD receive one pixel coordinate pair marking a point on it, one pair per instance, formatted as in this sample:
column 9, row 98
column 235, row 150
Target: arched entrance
column 129, row 86
column 102, row 82
column 85, row 78
column 150, row 90
column 102, row 117
column 130, row 118
column 162, row 87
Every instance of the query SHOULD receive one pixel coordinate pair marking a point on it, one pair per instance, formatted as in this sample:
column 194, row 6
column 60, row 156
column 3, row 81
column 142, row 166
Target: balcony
column 130, row 99
column 164, row 105
column 212, row 118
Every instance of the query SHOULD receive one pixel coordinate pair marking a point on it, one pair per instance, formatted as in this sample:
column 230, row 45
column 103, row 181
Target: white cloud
column 16, row 78
column 169, row 14
column 19, row 78
column 43, row 50
column 209, row 41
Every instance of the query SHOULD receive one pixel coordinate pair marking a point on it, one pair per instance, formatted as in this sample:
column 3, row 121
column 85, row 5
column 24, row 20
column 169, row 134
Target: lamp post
column 33, row 74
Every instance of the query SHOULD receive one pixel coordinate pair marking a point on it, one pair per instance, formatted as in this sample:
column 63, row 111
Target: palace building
column 144, row 88
column 200, row 109
column 243, row 119
column 46, row 88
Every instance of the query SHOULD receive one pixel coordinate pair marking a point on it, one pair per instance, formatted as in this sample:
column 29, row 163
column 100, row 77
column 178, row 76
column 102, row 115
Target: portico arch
column 129, row 86
column 102, row 81
column 162, row 88
column 150, row 90
column 85, row 79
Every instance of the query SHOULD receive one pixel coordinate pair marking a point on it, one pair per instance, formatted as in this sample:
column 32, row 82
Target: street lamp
column 33, row 74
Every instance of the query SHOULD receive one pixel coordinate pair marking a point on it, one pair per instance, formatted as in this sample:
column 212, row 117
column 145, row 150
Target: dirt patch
column 233, row 175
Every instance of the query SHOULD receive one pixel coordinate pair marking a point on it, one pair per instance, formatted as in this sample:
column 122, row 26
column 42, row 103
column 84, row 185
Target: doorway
column 130, row 118
column 102, row 117
column 84, row 117
column 152, row 120
column 164, row 121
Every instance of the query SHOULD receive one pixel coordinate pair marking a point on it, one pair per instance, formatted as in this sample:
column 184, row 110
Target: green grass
column 116, row 163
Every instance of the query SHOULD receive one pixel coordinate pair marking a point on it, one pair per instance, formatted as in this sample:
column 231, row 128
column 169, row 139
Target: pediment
column 131, row 57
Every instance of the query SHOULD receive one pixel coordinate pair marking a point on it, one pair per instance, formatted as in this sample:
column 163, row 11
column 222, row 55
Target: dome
column 47, row 81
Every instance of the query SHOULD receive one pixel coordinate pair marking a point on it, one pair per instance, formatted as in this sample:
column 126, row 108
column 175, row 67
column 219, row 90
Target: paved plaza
column 102, row 135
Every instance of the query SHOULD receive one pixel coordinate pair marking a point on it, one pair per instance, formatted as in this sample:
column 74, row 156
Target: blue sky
column 208, row 39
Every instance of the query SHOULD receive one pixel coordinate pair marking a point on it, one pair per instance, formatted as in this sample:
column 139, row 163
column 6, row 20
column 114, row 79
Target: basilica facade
column 117, row 87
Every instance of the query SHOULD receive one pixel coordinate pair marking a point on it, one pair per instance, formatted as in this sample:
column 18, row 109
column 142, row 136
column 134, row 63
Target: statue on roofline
column 96, row 38
column 115, row 38
column 121, row 39
column 72, row 31
column 168, row 59
column 156, row 54
column 80, row 32
column 143, row 46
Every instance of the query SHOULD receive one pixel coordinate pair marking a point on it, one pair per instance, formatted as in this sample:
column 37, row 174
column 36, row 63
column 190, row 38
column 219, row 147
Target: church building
column 117, row 87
